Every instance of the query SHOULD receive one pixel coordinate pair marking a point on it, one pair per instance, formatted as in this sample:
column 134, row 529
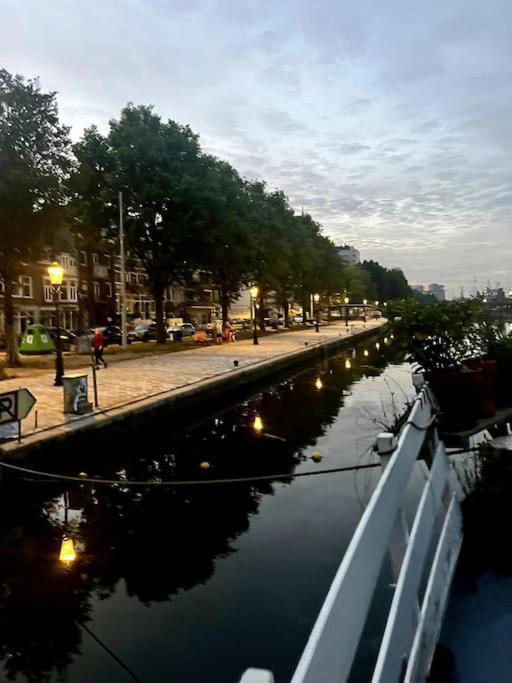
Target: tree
column 223, row 243
column 34, row 162
column 91, row 203
column 159, row 169
column 389, row 283
column 270, row 220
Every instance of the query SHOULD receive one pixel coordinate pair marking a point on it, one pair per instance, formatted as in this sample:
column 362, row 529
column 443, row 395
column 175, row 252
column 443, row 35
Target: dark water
column 195, row 584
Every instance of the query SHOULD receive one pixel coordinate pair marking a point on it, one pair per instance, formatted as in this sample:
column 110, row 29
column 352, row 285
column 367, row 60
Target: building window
column 108, row 290
column 48, row 290
column 96, row 290
column 24, row 288
column 83, row 286
column 72, row 290
column 67, row 261
column 95, row 259
column 83, row 258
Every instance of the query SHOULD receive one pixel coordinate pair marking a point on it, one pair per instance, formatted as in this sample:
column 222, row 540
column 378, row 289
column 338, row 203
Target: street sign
column 26, row 401
column 8, row 407
column 16, row 405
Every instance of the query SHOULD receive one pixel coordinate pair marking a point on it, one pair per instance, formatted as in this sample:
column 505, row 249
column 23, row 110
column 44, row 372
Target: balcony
column 100, row 271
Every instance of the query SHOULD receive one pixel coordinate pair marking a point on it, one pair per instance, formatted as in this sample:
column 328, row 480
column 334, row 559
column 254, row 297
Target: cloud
column 390, row 122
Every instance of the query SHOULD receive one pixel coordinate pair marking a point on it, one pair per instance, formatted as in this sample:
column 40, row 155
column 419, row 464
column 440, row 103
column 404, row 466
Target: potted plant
column 441, row 339
column 501, row 352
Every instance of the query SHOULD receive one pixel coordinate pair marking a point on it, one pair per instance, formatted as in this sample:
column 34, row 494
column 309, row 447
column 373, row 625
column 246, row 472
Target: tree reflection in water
column 158, row 540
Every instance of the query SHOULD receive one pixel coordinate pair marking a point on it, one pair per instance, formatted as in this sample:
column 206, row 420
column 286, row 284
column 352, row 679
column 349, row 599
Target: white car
column 186, row 329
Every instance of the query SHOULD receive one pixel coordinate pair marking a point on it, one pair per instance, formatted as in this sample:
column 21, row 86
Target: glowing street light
column 257, row 425
column 347, row 301
column 366, row 353
column 67, row 551
column 348, row 364
column 56, row 274
column 319, row 384
column 254, row 291
column 316, row 299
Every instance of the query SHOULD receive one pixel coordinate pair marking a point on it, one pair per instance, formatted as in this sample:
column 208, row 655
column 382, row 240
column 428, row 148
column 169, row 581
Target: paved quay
column 133, row 384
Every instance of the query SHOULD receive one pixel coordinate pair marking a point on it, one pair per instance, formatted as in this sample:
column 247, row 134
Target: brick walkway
column 142, row 377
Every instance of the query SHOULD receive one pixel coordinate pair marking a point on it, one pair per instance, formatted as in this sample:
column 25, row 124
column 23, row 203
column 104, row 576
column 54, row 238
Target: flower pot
column 488, row 389
column 458, row 393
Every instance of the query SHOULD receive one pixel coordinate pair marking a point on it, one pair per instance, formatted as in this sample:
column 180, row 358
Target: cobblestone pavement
column 142, row 377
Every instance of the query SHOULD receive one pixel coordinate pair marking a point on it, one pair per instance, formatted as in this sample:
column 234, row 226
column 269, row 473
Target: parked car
column 274, row 323
column 111, row 334
column 240, row 324
column 67, row 338
column 186, row 329
column 143, row 332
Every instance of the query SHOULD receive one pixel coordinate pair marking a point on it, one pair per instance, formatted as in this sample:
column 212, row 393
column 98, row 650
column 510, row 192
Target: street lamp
column 365, row 302
column 56, row 273
column 316, row 299
column 254, row 295
column 346, row 300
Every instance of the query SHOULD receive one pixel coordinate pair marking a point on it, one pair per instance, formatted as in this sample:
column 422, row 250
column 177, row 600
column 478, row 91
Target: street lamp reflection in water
column 67, row 551
column 257, row 425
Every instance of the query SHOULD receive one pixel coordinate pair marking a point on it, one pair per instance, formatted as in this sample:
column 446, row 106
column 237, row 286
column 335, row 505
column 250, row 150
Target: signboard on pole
column 16, row 405
column 26, row 401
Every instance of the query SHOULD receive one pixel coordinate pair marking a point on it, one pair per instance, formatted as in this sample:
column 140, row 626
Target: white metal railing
column 414, row 620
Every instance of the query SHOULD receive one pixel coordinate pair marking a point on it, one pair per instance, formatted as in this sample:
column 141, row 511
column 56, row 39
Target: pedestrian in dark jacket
column 98, row 345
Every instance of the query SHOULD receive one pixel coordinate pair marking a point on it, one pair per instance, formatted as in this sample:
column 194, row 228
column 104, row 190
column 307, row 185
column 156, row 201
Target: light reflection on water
column 197, row 583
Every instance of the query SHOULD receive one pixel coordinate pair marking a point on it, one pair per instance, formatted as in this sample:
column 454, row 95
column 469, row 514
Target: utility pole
column 124, row 333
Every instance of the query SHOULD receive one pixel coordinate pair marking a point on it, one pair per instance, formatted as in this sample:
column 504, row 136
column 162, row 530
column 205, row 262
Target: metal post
column 346, row 315
column 94, row 384
column 59, row 363
column 124, row 333
column 254, row 328
column 317, row 328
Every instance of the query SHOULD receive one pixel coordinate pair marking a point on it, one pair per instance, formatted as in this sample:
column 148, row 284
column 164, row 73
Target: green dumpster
column 36, row 339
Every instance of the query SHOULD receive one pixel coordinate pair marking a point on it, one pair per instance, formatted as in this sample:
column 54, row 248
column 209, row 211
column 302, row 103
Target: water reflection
column 157, row 540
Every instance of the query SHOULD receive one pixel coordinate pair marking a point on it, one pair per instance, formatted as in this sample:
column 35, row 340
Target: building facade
column 434, row 288
column 349, row 254
column 33, row 295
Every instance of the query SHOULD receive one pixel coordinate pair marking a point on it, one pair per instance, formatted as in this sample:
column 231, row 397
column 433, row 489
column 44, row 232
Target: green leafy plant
column 440, row 336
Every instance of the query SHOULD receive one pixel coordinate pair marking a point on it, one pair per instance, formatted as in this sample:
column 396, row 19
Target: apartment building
column 33, row 295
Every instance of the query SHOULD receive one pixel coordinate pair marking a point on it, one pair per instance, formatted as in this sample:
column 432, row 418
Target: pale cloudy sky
column 388, row 120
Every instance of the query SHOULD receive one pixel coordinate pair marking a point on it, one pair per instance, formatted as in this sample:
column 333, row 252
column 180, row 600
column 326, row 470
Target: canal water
column 195, row 584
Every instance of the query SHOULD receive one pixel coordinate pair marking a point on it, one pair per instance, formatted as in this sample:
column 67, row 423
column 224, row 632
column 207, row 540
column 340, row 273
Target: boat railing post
column 386, row 446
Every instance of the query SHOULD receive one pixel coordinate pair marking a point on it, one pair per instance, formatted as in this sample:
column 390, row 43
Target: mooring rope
column 180, row 482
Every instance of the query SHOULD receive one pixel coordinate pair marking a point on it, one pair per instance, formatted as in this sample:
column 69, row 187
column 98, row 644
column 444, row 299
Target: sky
column 389, row 121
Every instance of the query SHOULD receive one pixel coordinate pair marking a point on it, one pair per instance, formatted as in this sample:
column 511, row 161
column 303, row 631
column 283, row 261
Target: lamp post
column 316, row 299
column 347, row 301
column 254, row 295
column 365, row 302
column 56, row 273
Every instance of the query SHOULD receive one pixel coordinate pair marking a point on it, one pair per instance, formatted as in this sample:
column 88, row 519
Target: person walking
column 228, row 332
column 98, row 345
column 218, row 331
